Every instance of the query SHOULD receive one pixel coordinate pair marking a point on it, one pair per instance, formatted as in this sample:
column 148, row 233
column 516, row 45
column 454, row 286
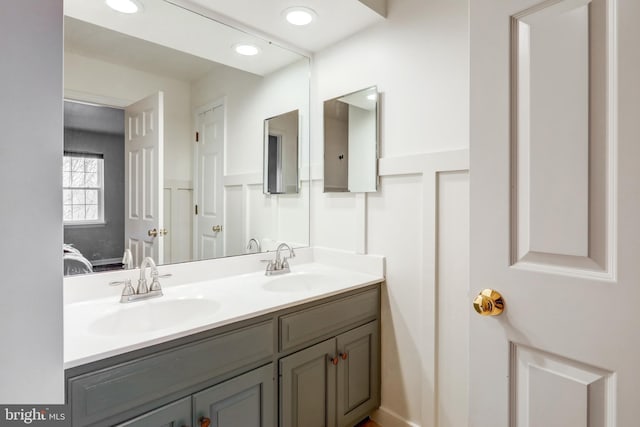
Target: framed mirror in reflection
column 351, row 142
column 163, row 137
column 280, row 154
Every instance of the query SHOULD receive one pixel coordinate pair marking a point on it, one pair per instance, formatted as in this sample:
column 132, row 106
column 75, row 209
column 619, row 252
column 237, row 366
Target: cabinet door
column 358, row 391
column 246, row 400
column 176, row 414
column 307, row 387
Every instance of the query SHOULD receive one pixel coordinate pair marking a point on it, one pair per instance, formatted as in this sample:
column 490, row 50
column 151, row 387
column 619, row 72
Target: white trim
column 388, row 418
column 251, row 178
column 96, row 99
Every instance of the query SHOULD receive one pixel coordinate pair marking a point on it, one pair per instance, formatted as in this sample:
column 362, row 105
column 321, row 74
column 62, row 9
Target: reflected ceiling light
column 124, row 6
column 246, row 49
column 299, row 15
column 372, row 97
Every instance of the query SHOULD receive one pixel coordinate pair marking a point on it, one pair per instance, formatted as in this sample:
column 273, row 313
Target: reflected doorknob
column 489, row 303
column 152, row 233
column 163, row 232
column 216, row 228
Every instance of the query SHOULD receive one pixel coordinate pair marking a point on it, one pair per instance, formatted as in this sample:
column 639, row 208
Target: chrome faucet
column 280, row 265
column 142, row 281
column 257, row 244
column 143, row 291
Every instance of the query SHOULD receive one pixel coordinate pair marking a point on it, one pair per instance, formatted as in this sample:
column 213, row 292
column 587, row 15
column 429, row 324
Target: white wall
column 30, row 158
column 418, row 58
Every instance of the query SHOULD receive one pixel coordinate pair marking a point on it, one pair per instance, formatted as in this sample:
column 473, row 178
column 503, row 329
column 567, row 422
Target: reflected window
column 82, row 188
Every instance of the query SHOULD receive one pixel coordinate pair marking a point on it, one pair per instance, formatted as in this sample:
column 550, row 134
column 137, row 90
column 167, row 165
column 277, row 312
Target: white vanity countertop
column 103, row 327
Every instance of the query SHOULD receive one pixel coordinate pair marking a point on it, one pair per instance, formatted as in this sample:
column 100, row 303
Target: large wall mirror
column 351, row 142
column 164, row 134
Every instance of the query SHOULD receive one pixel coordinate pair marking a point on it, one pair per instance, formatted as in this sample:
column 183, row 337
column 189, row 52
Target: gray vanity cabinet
column 358, row 387
column 307, row 387
column 247, row 401
column 334, row 383
column 324, row 355
column 176, row 414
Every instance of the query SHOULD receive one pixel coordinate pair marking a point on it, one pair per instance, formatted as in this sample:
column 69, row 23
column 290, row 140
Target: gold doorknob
column 216, row 228
column 489, row 303
column 163, row 232
column 152, row 233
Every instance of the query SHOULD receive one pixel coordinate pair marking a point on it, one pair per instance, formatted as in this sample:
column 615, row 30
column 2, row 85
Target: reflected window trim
column 98, row 187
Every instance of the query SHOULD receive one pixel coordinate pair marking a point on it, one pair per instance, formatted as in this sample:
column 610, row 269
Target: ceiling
column 336, row 19
column 181, row 37
column 97, row 42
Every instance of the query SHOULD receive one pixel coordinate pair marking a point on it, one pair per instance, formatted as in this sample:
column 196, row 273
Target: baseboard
column 387, row 418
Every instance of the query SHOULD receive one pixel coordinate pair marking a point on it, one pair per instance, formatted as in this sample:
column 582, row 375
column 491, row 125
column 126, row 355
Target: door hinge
column 197, row 136
column 196, row 209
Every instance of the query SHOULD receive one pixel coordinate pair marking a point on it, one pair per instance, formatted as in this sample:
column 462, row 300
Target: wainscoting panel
column 178, row 220
column 420, row 221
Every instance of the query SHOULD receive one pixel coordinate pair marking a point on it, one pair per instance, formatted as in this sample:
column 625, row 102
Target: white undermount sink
column 296, row 282
column 151, row 315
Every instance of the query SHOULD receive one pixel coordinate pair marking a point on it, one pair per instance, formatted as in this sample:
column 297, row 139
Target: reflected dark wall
column 100, row 130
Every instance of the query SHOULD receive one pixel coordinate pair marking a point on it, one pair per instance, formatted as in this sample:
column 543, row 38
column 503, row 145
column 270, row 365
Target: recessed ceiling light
column 299, row 15
column 246, row 49
column 124, row 6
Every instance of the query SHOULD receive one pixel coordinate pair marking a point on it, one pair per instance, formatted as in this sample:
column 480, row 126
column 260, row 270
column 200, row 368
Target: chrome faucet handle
column 155, row 283
column 127, row 291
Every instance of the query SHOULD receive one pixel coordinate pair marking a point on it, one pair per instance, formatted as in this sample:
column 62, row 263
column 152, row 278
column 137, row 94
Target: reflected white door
column 555, row 211
column 208, row 183
column 144, row 130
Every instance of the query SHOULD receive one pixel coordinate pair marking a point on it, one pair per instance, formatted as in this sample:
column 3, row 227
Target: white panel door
column 144, row 130
column 555, row 211
column 208, row 183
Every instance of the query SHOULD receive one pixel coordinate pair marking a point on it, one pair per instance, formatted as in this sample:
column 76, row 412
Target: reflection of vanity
column 311, row 352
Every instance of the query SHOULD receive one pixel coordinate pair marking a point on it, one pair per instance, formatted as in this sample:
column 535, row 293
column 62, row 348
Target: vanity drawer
column 324, row 320
column 115, row 390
